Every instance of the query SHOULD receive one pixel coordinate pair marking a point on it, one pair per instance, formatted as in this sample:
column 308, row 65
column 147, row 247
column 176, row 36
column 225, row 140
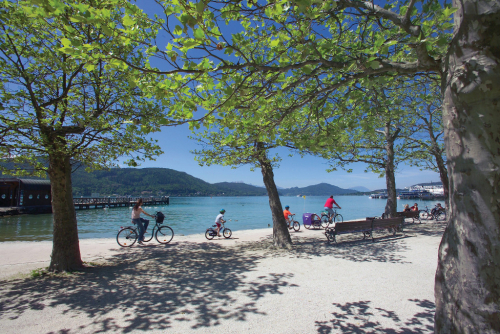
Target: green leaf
column 66, row 42
column 199, row 34
column 128, row 21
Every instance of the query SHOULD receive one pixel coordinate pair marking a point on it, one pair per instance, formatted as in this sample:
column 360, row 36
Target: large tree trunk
column 281, row 236
column 467, row 287
column 66, row 248
column 390, row 179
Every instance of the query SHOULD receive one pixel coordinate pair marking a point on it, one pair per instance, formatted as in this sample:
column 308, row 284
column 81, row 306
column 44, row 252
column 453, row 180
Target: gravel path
column 228, row 286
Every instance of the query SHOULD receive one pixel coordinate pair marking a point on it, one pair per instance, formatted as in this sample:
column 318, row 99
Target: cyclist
column 219, row 220
column 329, row 206
column 437, row 209
column 287, row 214
column 136, row 219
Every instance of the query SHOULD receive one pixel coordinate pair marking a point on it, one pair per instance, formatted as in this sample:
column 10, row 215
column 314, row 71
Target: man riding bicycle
column 329, row 207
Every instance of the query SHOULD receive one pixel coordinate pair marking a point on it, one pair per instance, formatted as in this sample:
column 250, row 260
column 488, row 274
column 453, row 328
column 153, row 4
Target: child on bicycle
column 219, row 220
column 287, row 214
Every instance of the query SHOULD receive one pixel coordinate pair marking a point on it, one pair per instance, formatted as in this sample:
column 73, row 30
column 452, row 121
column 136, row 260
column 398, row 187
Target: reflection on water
column 190, row 215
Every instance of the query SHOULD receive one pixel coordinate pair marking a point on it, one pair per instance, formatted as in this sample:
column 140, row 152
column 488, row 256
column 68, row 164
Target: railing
column 114, row 201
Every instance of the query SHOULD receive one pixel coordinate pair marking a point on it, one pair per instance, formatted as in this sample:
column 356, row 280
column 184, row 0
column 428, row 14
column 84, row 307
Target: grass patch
column 37, row 273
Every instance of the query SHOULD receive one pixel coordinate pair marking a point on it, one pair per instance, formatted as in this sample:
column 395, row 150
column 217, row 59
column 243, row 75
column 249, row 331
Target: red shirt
column 286, row 213
column 329, row 203
column 414, row 208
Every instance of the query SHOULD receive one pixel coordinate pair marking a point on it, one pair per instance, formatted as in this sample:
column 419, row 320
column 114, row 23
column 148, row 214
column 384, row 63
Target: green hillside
column 241, row 189
column 165, row 181
column 144, row 181
column 322, row 189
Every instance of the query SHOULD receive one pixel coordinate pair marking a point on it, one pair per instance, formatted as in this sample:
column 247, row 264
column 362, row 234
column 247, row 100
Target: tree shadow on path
column 150, row 287
column 360, row 317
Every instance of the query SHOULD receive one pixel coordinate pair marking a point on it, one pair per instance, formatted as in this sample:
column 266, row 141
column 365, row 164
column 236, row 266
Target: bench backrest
column 357, row 225
column 388, row 222
column 408, row 214
column 368, row 224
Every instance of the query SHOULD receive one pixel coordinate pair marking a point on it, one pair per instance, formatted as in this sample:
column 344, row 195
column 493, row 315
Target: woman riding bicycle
column 136, row 219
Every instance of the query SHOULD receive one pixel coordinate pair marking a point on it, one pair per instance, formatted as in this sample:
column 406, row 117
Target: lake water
column 191, row 215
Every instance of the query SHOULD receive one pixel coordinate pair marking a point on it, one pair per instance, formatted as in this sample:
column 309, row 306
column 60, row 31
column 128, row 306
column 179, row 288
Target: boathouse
column 25, row 195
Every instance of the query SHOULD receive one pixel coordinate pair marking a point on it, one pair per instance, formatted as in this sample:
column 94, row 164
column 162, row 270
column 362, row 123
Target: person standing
column 329, row 206
column 136, row 219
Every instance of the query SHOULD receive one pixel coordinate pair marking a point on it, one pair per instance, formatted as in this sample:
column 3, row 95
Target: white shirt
column 136, row 213
column 219, row 218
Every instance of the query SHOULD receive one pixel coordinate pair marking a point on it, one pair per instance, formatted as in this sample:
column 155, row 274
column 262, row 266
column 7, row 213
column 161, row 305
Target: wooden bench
column 414, row 215
column 366, row 227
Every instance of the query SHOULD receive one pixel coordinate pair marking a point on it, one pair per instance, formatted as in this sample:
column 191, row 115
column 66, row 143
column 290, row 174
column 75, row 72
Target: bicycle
column 436, row 214
column 295, row 225
column 212, row 232
column 327, row 218
column 127, row 236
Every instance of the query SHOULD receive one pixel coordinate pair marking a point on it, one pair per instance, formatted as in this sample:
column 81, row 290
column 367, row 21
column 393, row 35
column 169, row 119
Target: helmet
column 222, row 210
column 287, row 207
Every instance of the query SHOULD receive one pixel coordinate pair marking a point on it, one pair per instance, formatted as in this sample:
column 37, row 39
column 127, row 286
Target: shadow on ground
column 150, row 287
column 360, row 317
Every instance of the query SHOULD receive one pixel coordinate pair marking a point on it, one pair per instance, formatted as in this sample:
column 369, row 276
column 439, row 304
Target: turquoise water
column 190, row 215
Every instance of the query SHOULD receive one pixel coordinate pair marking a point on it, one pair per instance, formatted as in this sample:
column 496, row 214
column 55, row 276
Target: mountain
column 165, row 181
column 360, row 189
column 322, row 189
column 143, row 181
column 240, row 189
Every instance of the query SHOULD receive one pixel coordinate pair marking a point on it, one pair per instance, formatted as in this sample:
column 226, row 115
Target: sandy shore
column 227, row 286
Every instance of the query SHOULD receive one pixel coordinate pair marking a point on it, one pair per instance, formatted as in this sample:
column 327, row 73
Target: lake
column 191, row 215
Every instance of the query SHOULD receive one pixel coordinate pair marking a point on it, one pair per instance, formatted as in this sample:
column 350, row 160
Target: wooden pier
column 112, row 202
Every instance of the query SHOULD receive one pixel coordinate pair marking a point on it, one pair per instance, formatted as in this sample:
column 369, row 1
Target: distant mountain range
column 165, row 181
column 360, row 189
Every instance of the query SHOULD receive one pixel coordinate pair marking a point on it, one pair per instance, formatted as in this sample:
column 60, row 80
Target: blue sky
column 293, row 171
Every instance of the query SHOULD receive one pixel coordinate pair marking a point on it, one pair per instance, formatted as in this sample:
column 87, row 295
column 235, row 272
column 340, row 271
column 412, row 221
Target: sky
column 292, row 172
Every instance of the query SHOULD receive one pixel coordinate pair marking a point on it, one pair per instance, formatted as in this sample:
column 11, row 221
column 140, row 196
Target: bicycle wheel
column 210, row 234
column 164, row 234
column 330, row 235
column 423, row 214
column 227, row 233
column 127, row 237
column 296, row 226
column 338, row 218
column 441, row 216
column 325, row 221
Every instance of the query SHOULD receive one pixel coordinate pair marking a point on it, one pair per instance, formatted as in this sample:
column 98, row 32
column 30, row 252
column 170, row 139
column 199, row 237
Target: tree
column 305, row 50
column 370, row 126
column 428, row 131
column 60, row 105
column 235, row 148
